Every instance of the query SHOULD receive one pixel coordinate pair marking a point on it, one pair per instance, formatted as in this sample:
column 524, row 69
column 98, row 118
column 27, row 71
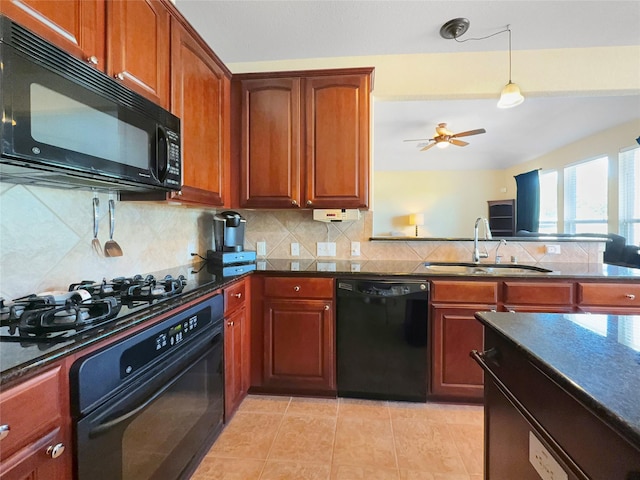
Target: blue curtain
column 528, row 201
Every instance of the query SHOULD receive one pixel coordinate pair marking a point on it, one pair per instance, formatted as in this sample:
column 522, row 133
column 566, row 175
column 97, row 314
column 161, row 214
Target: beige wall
column 450, row 201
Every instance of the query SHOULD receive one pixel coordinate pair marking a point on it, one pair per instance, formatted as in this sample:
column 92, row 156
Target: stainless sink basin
column 469, row 268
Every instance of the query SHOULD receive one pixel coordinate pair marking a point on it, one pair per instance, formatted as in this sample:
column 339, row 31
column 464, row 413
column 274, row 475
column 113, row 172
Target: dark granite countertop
column 595, row 358
column 418, row 269
column 18, row 359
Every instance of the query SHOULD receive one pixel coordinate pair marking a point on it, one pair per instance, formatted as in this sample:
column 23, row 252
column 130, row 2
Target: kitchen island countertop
column 594, row 358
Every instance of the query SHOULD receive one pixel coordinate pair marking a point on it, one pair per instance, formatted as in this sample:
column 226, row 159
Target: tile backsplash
column 45, row 239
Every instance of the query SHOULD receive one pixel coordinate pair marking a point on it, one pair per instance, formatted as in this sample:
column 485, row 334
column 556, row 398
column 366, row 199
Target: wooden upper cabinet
column 270, row 149
column 200, row 96
column 304, row 138
column 138, row 35
column 337, row 141
column 76, row 26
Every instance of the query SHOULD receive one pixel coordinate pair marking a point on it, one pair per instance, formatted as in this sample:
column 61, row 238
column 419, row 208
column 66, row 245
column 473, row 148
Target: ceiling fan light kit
column 511, row 95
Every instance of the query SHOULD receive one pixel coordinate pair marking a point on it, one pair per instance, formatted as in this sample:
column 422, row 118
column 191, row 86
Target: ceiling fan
column 444, row 137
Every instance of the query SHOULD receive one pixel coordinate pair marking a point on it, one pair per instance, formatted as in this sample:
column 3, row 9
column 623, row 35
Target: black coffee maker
column 228, row 235
column 228, row 231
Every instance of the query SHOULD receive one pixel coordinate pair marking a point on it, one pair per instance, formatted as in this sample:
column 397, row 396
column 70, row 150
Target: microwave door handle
column 162, row 153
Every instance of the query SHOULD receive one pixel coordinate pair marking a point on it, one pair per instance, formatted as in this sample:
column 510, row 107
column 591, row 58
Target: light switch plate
column 552, row 249
column 295, row 249
column 355, row 267
column 295, row 266
column 261, row 248
column 355, row 249
column 326, row 267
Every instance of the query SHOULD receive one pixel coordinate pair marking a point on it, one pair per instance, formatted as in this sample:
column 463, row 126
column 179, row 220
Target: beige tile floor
column 294, row 438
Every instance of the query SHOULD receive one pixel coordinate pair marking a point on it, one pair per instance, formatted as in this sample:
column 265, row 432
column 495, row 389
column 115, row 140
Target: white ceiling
column 268, row 30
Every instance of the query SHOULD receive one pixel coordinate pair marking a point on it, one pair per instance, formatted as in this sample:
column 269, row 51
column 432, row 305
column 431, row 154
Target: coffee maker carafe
column 228, row 231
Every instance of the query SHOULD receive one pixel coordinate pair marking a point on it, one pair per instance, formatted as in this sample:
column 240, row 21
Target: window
column 585, row 196
column 629, row 188
column 549, row 202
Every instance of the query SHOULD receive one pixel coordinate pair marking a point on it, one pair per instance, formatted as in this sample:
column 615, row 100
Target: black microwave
column 66, row 124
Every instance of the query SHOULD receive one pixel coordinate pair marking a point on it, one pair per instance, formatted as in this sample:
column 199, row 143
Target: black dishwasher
column 381, row 339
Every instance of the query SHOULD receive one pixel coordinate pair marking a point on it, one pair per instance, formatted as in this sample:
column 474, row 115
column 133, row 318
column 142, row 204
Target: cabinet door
column 455, row 333
column 235, row 350
column 270, row 146
column 77, row 26
column 200, row 96
column 337, row 141
column 138, row 47
column 298, row 344
column 36, row 461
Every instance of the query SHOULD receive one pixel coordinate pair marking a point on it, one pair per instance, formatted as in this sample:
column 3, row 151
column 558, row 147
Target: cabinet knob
column 93, row 60
column 180, row 193
column 294, row 203
column 296, row 288
column 4, row 431
column 309, row 203
column 238, row 295
column 630, row 296
column 230, row 324
column 54, row 451
column 119, row 76
column 327, row 307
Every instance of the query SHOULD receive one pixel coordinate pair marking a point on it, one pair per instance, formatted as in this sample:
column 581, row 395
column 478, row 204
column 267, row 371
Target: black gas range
column 86, row 307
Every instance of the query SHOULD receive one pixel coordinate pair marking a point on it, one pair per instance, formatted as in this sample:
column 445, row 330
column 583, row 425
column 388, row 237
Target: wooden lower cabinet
column 299, row 345
column 236, row 346
column 454, row 333
column 236, row 379
column 37, row 439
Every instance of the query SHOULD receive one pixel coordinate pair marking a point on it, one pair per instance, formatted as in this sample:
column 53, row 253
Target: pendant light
column 453, row 29
column 510, row 96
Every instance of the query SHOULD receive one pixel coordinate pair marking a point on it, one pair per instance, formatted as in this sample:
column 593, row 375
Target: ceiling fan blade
column 470, row 132
column 459, row 143
column 418, row 140
column 427, row 147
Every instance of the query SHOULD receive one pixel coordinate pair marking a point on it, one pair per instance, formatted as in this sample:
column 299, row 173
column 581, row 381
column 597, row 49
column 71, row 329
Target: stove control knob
column 54, row 451
column 4, row 431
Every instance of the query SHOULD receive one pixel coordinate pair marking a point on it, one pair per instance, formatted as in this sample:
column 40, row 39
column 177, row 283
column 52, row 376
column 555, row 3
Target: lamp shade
column 416, row 219
column 510, row 96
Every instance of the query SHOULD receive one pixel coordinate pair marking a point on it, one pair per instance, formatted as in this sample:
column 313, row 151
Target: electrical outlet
column 355, row 267
column 355, row 249
column 261, row 265
column 295, row 249
column 261, row 248
column 552, row 249
column 546, row 466
column 326, row 249
column 295, row 266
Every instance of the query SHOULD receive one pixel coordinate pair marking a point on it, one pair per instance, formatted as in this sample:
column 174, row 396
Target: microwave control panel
column 174, row 169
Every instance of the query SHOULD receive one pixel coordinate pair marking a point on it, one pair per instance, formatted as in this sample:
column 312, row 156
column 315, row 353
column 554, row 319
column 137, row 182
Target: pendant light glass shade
column 510, row 96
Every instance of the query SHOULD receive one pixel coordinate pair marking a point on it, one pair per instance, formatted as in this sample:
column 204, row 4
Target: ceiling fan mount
column 444, row 137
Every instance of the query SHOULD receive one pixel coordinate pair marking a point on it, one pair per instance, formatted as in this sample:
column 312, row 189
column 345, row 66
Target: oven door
column 159, row 426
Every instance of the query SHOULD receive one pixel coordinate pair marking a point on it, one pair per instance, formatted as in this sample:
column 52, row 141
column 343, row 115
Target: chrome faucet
column 477, row 255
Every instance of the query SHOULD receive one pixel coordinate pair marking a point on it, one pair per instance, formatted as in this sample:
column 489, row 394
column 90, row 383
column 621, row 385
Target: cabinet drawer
column 298, row 287
column 613, row 294
column 29, row 409
column 539, row 293
column 234, row 296
column 464, row 292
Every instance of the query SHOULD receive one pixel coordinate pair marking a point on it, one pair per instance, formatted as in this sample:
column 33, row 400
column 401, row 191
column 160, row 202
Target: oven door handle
column 108, row 425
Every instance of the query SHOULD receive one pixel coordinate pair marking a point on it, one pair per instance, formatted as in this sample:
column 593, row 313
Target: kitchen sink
column 469, row 268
